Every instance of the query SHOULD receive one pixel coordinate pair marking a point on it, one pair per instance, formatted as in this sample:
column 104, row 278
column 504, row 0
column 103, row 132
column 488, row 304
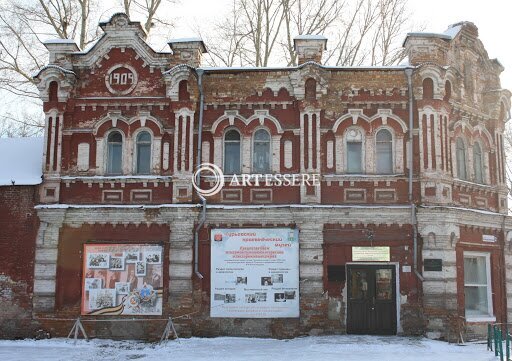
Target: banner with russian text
column 254, row 273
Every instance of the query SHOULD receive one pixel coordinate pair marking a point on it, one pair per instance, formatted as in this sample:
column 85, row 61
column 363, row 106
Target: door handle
column 373, row 303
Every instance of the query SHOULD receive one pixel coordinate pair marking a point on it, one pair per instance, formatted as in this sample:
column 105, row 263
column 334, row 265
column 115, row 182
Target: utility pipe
column 410, row 148
column 202, row 218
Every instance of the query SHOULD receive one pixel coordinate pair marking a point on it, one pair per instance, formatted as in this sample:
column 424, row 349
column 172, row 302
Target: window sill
column 476, row 319
column 475, row 184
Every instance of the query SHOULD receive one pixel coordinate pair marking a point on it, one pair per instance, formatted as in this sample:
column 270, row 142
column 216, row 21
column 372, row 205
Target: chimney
column 309, row 48
column 60, row 51
column 188, row 50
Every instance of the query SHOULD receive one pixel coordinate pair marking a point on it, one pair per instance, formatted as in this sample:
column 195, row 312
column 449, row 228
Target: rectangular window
column 354, row 157
column 477, row 285
column 115, row 158
column 232, row 160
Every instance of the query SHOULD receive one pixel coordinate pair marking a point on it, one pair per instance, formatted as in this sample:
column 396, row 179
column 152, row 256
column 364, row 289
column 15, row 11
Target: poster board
column 254, row 273
column 122, row 279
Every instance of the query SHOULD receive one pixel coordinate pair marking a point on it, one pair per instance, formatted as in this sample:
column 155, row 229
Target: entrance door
column 371, row 307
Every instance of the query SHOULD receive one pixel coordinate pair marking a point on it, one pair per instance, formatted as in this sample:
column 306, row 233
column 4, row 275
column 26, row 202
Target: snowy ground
column 339, row 348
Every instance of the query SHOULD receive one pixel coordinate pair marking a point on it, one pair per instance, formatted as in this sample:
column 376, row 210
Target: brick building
column 406, row 232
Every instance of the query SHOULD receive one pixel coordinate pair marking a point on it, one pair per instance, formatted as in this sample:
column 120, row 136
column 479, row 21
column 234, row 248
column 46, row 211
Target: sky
column 492, row 17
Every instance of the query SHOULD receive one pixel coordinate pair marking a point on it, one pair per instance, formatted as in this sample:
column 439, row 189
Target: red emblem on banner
column 218, row 237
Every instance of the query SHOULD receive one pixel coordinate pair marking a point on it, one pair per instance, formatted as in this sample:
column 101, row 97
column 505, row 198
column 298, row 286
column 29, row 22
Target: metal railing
column 498, row 333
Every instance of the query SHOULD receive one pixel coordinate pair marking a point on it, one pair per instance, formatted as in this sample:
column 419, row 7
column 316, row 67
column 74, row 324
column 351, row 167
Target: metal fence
column 497, row 334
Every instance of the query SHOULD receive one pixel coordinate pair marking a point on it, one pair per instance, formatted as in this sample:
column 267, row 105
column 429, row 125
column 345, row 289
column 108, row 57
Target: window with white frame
column 461, row 159
column 477, row 285
column 143, row 152
column 261, row 152
column 478, row 163
column 115, row 153
column 354, row 146
column 384, row 151
column 232, row 148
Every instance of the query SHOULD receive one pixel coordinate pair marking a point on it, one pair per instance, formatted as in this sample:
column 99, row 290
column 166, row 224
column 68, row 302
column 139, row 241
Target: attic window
column 428, row 88
column 53, row 91
column 310, row 89
column 183, row 93
column 447, row 91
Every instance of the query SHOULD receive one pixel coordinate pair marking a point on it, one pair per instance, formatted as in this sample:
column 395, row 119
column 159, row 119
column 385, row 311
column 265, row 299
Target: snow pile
column 326, row 348
column 21, row 161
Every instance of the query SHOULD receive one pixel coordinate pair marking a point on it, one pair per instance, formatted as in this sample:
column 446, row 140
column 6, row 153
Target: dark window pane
column 232, row 135
column 115, row 137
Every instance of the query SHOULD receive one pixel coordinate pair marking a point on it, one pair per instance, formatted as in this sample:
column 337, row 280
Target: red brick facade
column 314, row 116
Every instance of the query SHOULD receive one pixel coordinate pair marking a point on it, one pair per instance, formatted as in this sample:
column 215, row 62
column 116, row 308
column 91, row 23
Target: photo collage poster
column 122, row 279
column 254, row 273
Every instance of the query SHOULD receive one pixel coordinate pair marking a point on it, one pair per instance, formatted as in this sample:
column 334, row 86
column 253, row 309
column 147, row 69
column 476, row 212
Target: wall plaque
column 372, row 254
column 121, row 79
column 433, row 264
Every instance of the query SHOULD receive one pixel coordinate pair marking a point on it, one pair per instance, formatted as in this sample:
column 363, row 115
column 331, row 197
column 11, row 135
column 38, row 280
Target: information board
column 254, row 273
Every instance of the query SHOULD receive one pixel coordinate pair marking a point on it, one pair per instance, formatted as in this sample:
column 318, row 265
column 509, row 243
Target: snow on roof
column 21, row 161
column 453, row 30
column 185, row 40
column 59, row 41
column 310, row 37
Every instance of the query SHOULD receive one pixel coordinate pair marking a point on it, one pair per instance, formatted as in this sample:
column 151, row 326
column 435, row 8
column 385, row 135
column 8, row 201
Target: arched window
column 115, row 153
column 354, row 140
column 478, row 163
column 428, row 88
column 261, row 152
column 461, row 159
column 310, row 89
column 447, row 91
column 183, row 93
column 384, row 150
column 53, row 91
column 232, row 152
column 143, row 151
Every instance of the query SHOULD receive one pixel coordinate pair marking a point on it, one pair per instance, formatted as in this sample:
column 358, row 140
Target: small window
column 477, row 163
column 183, row 94
column 114, row 153
column 261, row 152
column 384, row 149
column 53, row 91
column 461, row 159
column 310, row 89
column 354, row 151
column 428, row 88
column 143, row 153
column 232, row 152
column 447, row 91
column 477, row 285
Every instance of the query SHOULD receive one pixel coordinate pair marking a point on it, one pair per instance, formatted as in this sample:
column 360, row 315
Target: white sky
column 492, row 17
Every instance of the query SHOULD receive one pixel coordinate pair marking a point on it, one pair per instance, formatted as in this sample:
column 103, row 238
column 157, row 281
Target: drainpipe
column 202, row 218
column 408, row 73
column 503, row 274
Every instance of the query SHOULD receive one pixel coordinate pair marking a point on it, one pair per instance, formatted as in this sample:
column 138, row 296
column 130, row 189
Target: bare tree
column 227, row 43
column 24, row 25
column 148, row 9
column 360, row 31
column 308, row 17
